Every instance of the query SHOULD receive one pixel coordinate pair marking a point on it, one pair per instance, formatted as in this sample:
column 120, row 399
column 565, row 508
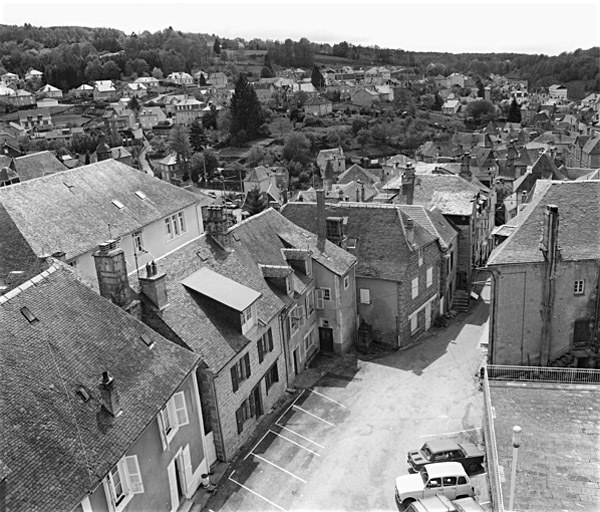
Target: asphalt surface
column 342, row 441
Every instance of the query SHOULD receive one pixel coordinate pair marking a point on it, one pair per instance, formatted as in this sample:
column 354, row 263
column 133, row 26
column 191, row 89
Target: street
column 340, row 444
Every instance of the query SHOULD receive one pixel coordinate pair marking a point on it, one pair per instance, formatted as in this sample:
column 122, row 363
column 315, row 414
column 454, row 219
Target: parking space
column 342, row 442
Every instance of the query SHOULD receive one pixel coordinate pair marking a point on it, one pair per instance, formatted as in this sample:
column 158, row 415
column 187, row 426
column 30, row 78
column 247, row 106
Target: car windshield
column 426, row 452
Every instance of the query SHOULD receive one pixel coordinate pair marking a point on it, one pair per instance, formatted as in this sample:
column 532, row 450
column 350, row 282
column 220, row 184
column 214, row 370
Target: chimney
column 550, row 233
column 410, row 230
column 408, row 183
column 465, row 167
column 108, row 394
column 111, row 271
column 321, row 221
column 216, row 226
column 275, row 205
column 154, row 286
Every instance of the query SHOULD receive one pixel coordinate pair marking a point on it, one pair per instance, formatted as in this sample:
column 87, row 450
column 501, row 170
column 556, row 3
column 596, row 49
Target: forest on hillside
column 70, row 56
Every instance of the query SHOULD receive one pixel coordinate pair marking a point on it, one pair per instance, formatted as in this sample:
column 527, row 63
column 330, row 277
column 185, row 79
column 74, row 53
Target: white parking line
column 452, row 433
column 294, row 442
column 279, row 467
column 301, row 436
column 327, row 398
column 255, row 493
column 313, row 415
column 250, row 452
column 291, row 405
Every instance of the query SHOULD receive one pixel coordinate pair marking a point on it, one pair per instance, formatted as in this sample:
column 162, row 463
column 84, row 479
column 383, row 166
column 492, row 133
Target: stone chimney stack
column 408, row 183
column 465, row 167
column 154, row 286
column 108, row 394
column 549, row 242
column 111, row 270
column 216, row 226
column 321, row 220
column 410, row 231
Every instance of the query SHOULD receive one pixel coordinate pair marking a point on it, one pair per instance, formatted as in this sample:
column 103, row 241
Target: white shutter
column 365, row 296
column 108, row 492
column 319, row 293
column 301, row 315
column 161, row 429
column 134, row 476
column 180, row 409
column 187, row 466
column 173, row 486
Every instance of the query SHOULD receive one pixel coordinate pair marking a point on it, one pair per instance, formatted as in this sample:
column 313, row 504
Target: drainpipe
column 549, row 248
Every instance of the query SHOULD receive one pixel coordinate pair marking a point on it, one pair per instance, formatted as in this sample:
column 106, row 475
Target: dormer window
column 248, row 318
column 288, row 285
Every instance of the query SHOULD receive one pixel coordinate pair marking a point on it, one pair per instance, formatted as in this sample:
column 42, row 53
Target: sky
column 530, row 26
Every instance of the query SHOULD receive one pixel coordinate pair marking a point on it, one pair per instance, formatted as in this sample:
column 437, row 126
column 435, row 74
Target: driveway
column 340, row 444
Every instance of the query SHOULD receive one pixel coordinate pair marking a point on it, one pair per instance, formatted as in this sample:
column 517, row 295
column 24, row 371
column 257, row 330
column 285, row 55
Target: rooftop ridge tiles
column 27, row 284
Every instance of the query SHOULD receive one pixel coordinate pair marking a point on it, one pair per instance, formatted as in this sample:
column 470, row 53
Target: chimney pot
column 410, row 230
column 108, row 394
column 154, row 286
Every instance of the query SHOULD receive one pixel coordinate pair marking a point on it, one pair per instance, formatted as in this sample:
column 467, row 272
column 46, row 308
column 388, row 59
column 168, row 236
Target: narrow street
column 342, row 441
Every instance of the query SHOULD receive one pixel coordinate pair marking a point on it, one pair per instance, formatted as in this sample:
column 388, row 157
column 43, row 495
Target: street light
column 516, row 441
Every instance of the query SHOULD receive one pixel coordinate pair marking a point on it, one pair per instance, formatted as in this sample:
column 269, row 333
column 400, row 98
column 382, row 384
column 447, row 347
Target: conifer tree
column 317, row 78
column 514, row 112
column 246, row 112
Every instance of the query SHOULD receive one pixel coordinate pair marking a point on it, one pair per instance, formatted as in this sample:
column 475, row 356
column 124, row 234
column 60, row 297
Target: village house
column 557, row 91
column 451, row 107
column 180, row 78
column 116, row 405
column 149, row 82
column 36, row 165
column 544, row 292
column 49, row 91
column 318, row 106
column 35, row 119
column 402, row 272
column 218, row 80
column 272, row 182
column 134, row 90
column 9, row 79
column 118, row 118
column 83, row 91
column 104, row 90
column 256, row 301
column 264, row 91
column 331, row 163
column 363, row 97
column 186, row 110
column 33, row 74
column 84, row 206
column 377, row 75
column 149, row 117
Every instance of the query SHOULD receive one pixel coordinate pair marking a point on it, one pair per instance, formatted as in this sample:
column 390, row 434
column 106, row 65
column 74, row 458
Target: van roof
column 441, row 469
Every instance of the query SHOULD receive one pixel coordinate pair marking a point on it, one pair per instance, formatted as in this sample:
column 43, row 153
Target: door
column 173, row 485
column 258, row 401
column 582, row 333
column 461, row 280
column 326, row 339
column 296, row 369
column 427, row 316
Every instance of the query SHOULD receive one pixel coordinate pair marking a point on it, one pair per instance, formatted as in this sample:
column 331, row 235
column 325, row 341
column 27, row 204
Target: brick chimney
column 154, row 286
column 321, row 220
column 409, row 226
column 108, row 394
column 216, row 226
column 465, row 167
column 408, row 183
column 111, row 270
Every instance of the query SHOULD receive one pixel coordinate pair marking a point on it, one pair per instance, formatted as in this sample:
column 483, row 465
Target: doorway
column 258, row 401
column 296, row 361
column 326, row 339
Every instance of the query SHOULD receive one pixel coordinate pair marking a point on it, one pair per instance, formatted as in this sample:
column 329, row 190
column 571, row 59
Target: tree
column 317, row 78
column 179, row 143
column 82, row 143
column 479, row 113
column 217, row 46
column 266, row 72
column 211, row 163
column 514, row 112
column 296, row 147
column 281, row 126
column 197, row 135
column 256, row 201
column 202, row 80
column 134, row 104
column 197, row 167
column 480, row 89
column 157, row 73
column 209, row 119
column 246, row 113
column 364, row 138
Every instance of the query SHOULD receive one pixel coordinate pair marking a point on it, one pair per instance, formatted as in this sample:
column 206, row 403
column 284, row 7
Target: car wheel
column 473, row 467
column 407, row 502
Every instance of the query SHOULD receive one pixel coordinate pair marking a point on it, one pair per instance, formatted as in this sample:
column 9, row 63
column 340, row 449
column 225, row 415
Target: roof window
column 83, row 394
column 147, row 341
column 141, row 194
column 31, row 318
column 118, row 204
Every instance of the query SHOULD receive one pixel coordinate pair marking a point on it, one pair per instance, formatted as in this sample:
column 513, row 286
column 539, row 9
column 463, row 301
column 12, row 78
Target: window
column 271, row 377
column 319, row 300
column 265, row 345
column 173, row 416
column 420, row 256
column 352, row 243
column 462, row 480
column 326, row 293
column 137, row 241
column 310, row 303
column 415, row 287
column 175, row 225
column 449, row 481
column 240, row 371
column 294, row 319
column 429, row 277
column 122, row 482
column 73, row 263
column 301, row 311
column 413, row 323
column 309, row 341
column 365, row 296
column 579, row 287
column 346, row 282
column 248, row 319
column 241, row 415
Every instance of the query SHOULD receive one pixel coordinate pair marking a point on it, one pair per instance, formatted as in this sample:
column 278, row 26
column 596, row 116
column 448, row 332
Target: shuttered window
column 172, row 417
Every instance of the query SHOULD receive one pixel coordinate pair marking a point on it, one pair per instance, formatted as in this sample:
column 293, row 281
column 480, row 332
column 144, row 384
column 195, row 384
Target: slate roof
column 71, row 211
column 57, row 446
column 433, row 221
column 198, row 322
column 381, row 249
column 579, row 217
column 356, row 172
column 36, row 165
column 592, row 146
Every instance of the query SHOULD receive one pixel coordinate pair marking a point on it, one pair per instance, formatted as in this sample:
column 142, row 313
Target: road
column 342, row 442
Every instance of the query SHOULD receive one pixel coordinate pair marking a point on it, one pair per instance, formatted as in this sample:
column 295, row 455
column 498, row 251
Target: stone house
column 318, row 106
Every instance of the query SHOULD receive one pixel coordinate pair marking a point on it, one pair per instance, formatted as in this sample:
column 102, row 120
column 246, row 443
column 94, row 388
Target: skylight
column 147, row 341
column 31, row 318
column 118, row 204
column 141, row 194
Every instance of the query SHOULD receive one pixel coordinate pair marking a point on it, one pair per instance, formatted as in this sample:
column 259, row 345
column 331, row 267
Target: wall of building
column 382, row 313
column 296, row 341
column 227, row 439
column 153, row 460
column 347, row 311
column 516, row 310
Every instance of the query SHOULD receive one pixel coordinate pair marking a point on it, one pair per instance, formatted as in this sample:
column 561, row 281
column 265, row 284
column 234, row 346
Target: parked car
column 443, row 478
column 443, row 504
column 467, row 505
column 446, row 450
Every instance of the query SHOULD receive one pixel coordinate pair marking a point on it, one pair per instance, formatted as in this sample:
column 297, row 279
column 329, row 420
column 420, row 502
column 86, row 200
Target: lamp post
column 516, row 441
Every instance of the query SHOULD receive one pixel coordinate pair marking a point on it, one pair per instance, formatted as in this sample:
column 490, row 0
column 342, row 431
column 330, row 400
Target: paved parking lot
column 341, row 443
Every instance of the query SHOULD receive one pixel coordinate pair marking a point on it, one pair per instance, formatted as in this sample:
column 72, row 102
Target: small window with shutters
column 122, row 482
column 172, row 417
column 319, row 298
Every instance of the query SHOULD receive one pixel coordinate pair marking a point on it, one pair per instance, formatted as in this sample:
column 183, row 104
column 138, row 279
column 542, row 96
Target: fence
column 491, row 450
column 543, row 374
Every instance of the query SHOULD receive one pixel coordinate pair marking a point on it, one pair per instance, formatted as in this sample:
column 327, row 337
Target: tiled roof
column 578, row 226
column 381, row 249
column 57, row 446
column 71, row 211
column 35, row 165
column 592, row 146
column 199, row 322
column 356, row 172
column 433, row 221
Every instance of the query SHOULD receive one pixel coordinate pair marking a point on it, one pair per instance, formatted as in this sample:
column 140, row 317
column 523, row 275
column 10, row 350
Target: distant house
column 378, row 75
column 49, row 91
column 149, row 117
column 451, row 107
column 272, row 182
column 186, row 110
column 33, row 74
column 118, row 118
column 318, row 106
column 180, row 78
column 10, row 79
column 218, row 80
column 264, row 91
column 557, row 91
column 364, row 97
column 331, row 163
column 147, row 81
column 135, row 89
column 38, row 118
column 83, row 90
column 22, row 98
column 104, row 90
column 170, row 169
column 198, row 74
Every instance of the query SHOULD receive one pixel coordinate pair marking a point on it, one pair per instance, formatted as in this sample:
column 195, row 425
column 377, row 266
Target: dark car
column 446, row 450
